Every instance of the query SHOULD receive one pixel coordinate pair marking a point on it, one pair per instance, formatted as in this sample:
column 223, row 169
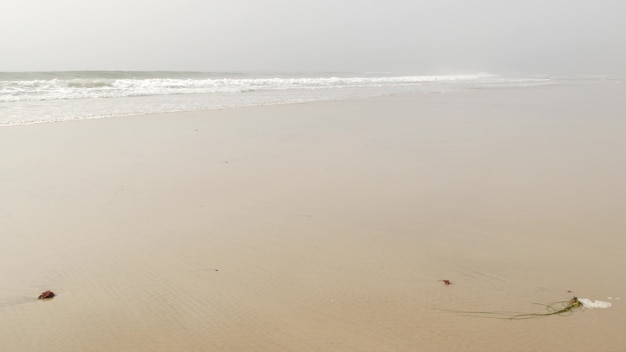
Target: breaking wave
column 63, row 87
column 32, row 97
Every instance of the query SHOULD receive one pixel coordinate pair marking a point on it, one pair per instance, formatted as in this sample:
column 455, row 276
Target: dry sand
column 320, row 227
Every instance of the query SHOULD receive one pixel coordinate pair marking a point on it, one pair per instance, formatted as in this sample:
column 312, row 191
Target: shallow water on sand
column 323, row 226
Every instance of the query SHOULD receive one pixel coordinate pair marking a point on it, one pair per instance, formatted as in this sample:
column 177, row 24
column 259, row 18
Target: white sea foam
column 52, row 96
column 587, row 303
column 98, row 87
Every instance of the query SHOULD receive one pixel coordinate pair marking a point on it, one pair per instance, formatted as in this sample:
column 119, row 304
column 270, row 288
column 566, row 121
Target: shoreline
column 319, row 226
column 98, row 95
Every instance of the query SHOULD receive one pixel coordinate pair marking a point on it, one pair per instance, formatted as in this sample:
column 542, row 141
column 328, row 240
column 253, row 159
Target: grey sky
column 528, row 36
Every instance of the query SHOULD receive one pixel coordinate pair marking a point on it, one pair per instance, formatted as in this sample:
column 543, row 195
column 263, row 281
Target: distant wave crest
column 81, row 86
column 37, row 97
column 89, row 83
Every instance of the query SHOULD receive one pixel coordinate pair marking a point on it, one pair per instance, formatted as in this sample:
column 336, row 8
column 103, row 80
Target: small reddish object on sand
column 446, row 282
column 46, row 295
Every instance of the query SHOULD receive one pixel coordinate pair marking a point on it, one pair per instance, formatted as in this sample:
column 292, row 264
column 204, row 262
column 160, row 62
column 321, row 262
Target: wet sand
column 320, row 227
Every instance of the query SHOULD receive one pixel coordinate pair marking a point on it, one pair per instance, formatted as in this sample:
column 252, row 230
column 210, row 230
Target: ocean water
column 39, row 97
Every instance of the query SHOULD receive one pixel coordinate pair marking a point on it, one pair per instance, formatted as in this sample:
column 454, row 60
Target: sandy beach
column 323, row 226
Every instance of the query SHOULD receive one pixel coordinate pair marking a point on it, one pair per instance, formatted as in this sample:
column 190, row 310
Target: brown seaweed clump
column 46, row 295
